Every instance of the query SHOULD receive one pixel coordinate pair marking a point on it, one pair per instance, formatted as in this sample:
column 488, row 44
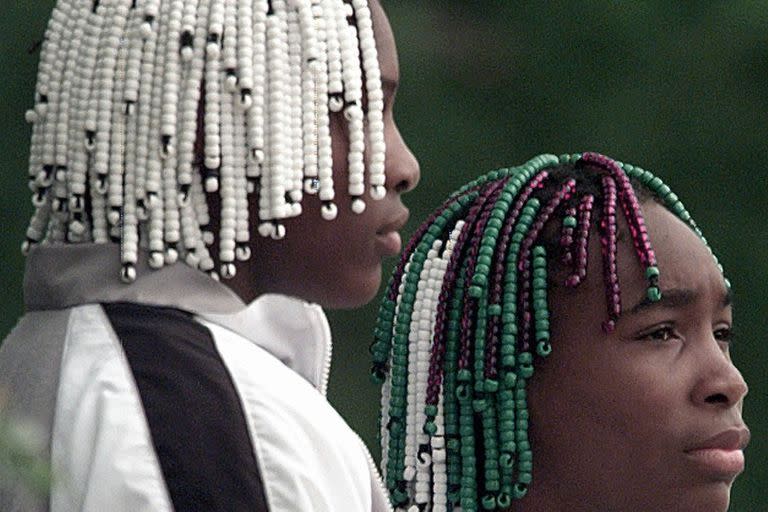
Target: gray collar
column 292, row 330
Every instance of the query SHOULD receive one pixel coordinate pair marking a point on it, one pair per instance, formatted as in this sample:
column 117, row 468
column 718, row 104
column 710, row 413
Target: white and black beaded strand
column 98, row 116
column 278, row 126
column 309, row 69
column 333, row 50
column 170, row 34
column 424, row 461
column 48, row 106
column 192, row 68
column 227, row 185
column 296, row 150
column 58, row 116
column 117, row 146
column 256, row 113
column 413, row 405
column 212, row 118
column 229, row 46
column 326, row 191
column 242, row 231
column 129, row 236
column 80, row 226
column 145, row 108
column 375, row 99
column 353, row 111
column 155, row 194
column 99, row 119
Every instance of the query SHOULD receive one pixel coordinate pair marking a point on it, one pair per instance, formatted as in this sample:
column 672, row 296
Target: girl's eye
column 659, row 335
column 724, row 335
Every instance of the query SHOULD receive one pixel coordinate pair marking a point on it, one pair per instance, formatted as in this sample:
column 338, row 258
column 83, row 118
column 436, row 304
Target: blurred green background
column 680, row 88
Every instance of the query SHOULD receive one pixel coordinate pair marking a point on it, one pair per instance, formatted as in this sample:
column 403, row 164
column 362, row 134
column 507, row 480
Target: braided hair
column 466, row 316
column 142, row 107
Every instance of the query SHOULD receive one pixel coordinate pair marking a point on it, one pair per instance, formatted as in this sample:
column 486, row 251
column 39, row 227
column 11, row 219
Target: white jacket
column 67, row 367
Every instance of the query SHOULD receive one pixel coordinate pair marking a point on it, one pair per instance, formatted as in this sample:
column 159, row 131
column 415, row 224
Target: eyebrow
column 676, row 298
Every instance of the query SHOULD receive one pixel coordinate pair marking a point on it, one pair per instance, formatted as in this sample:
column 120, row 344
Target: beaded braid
column 466, row 316
column 124, row 85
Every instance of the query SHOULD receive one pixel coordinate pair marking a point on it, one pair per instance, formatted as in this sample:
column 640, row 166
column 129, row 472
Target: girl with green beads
column 556, row 337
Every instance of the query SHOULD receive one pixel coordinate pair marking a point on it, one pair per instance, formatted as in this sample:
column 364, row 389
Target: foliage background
column 679, row 88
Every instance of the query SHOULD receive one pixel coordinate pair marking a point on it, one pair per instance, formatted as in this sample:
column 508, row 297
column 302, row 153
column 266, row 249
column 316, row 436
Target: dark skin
column 337, row 264
column 614, row 417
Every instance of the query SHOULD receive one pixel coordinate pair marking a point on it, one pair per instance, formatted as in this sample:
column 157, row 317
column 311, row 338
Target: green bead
column 544, row 348
column 491, row 232
column 507, row 346
column 464, row 375
column 491, row 386
column 494, row 309
column 462, row 393
column 525, row 358
column 495, row 222
column 510, row 379
column 569, row 221
column 475, row 291
column 503, row 500
column 508, row 361
column 519, row 491
column 651, row 272
column 539, row 282
column 540, row 273
column 479, row 405
column 655, row 184
column 430, row 410
column 539, row 252
column 539, row 305
column 509, row 328
column 524, row 477
column 466, row 431
column 653, row 294
column 430, row 428
column 453, row 444
column 399, row 496
column 526, row 456
column 506, row 460
column 525, row 466
column 489, row 502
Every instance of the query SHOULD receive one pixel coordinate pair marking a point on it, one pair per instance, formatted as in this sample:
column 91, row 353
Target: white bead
column 358, row 206
column 156, row 259
column 266, row 229
column 378, row 192
column 329, row 211
column 228, row 270
column 171, row 256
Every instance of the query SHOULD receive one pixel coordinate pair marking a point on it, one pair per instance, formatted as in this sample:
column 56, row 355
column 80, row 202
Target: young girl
column 206, row 176
column 556, row 337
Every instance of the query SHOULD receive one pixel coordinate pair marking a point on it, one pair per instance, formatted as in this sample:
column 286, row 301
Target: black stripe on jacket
column 195, row 416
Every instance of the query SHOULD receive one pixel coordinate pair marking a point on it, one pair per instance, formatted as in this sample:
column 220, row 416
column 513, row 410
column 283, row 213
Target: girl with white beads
column 206, row 176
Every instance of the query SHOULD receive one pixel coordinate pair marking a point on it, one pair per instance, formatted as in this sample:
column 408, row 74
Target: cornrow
column 126, row 88
column 466, row 316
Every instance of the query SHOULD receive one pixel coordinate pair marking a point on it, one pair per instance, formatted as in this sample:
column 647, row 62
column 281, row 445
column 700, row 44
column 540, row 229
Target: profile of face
column 647, row 417
column 338, row 263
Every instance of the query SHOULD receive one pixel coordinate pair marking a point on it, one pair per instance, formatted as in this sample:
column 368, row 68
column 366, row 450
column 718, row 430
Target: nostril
column 717, row 398
column 402, row 186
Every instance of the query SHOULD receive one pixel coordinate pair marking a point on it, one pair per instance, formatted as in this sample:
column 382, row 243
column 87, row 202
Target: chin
column 712, row 497
column 355, row 292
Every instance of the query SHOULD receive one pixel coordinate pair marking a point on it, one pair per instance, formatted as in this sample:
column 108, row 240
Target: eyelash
column 723, row 335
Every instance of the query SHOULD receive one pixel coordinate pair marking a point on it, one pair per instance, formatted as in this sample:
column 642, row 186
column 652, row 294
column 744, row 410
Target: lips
column 721, row 455
column 388, row 237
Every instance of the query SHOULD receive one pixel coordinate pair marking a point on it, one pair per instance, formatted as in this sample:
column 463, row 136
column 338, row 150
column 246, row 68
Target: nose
column 402, row 169
column 719, row 384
